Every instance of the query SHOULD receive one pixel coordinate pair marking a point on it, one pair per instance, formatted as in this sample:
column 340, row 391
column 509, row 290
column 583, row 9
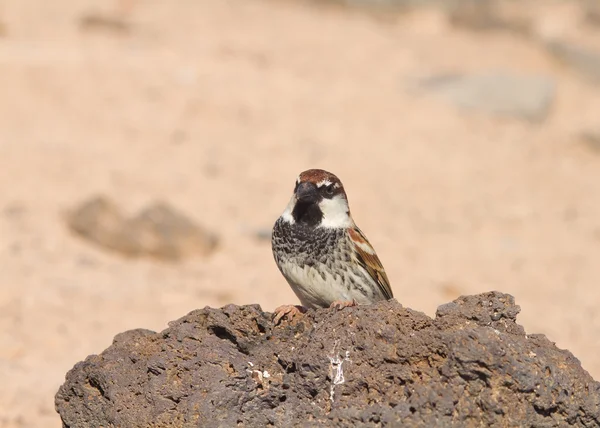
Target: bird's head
column 319, row 200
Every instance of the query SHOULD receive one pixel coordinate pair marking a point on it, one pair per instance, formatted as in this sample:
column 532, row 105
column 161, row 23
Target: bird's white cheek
column 287, row 214
column 335, row 213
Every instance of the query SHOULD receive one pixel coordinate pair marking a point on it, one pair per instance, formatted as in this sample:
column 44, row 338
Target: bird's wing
column 368, row 259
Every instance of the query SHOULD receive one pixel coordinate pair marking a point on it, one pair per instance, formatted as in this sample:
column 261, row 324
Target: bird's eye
column 329, row 189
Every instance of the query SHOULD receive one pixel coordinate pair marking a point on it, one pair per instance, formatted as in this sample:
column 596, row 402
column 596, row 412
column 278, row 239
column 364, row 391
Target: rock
column 158, row 231
column 375, row 365
column 162, row 232
column 584, row 61
column 498, row 93
column 99, row 220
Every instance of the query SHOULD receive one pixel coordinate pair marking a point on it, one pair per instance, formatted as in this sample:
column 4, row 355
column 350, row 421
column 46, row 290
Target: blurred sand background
column 215, row 106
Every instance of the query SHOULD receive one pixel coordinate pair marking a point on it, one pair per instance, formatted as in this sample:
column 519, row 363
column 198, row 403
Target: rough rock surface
column 363, row 366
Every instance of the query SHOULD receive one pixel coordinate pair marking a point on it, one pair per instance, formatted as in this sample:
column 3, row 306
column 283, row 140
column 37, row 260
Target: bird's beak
column 307, row 192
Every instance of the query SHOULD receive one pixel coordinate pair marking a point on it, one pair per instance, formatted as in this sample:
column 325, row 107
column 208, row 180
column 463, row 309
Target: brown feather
column 370, row 261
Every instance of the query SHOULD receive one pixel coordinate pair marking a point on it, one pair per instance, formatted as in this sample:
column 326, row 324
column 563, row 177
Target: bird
column 325, row 258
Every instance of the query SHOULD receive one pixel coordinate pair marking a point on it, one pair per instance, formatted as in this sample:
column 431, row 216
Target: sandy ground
column 215, row 106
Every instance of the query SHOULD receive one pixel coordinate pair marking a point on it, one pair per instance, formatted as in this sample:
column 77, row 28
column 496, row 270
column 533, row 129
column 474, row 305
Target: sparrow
column 326, row 259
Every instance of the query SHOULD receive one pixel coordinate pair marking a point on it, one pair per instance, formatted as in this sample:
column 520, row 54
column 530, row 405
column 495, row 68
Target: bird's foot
column 288, row 312
column 341, row 304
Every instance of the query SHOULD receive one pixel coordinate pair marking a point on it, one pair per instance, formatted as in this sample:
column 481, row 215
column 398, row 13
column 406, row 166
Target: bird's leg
column 287, row 311
column 340, row 304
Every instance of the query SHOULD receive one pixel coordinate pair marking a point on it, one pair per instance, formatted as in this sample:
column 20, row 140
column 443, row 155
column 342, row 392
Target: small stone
column 98, row 220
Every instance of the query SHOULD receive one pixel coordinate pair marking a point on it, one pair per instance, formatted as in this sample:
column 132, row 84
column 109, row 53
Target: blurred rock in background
column 157, row 231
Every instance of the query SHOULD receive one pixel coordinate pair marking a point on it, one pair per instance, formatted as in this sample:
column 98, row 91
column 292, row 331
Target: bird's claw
column 287, row 311
column 341, row 304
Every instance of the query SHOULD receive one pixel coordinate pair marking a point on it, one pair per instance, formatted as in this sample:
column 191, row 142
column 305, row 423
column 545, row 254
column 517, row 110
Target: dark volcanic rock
column 377, row 365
